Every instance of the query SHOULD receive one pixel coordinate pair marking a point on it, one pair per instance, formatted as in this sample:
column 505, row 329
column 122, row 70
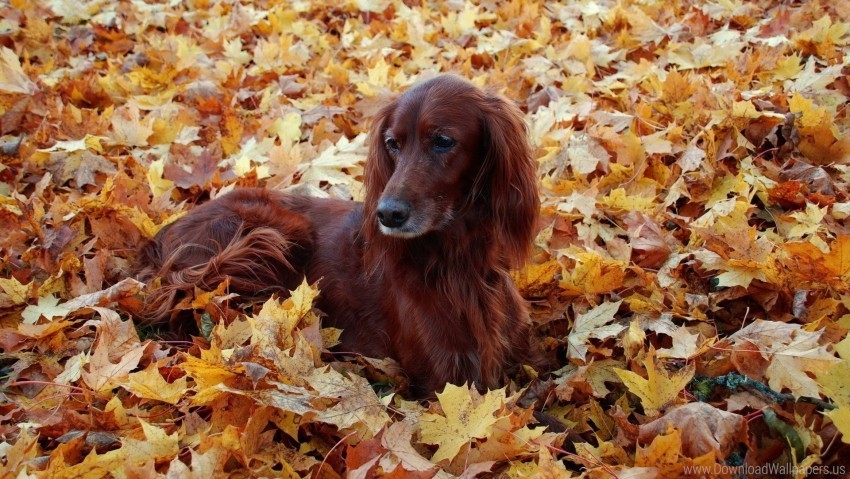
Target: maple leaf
column 209, row 371
column 251, row 156
column 397, row 439
column 593, row 274
column 586, row 154
column 660, row 388
column 329, row 165
column 685, row 345
column 272, row 329
column 536, row 280
column 467, row 416
column 12, row 76
column 749, row 259
column 47, row 307
column 288, row 129
column 593, row 324
column 593, row 375
column 16, row 291
column 835, row 381
column 128, row 127
column 358, row 408
column 792, row 351
column 510, row 438
column 104, row 375
column 810, row 261
column 709, row 430
column 664, row 454
column 159, row 185
column 150, row 384
column 808, row 222
column 157, row 445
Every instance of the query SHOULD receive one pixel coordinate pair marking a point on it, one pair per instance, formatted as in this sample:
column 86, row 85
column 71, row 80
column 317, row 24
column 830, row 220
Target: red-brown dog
column 419, row 270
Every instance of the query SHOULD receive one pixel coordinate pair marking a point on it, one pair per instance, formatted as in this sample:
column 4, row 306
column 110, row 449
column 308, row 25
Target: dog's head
column 447, row 151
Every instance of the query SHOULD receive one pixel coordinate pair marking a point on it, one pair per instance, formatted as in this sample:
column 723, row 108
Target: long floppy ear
column 379, row 168
column 514, row 203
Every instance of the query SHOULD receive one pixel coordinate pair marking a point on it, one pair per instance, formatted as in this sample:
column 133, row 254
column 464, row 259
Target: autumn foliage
column 689, row 282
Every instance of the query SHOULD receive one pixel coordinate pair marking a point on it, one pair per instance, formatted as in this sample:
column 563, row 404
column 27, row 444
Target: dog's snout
column 393, row 213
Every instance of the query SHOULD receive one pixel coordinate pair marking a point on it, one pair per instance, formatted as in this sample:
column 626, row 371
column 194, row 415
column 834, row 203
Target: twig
column 735, row 382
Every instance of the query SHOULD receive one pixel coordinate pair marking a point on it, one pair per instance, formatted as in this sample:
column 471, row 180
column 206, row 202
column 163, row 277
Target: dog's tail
column 245, row 238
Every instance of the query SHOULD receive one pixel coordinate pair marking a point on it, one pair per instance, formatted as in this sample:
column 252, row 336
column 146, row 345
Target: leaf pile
column 689, row 281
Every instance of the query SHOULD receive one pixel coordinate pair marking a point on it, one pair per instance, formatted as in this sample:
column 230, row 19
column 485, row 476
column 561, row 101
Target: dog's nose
column 393, row 213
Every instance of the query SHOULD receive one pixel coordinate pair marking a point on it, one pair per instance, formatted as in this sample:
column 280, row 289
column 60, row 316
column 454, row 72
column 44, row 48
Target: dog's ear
column 513, row 200
column 378, row 170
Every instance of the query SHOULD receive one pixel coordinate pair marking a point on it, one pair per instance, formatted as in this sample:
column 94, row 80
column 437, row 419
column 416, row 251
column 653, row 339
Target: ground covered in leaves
column 689, row 280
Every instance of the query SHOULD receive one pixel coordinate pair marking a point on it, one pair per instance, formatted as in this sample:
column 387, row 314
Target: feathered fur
column 449, row 161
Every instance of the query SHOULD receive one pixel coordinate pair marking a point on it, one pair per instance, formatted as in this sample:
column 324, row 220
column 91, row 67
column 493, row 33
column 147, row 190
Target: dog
column 419, row 271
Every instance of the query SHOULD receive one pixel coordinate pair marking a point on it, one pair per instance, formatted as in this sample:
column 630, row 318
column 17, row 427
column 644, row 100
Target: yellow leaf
column 233, row 52
column 664, row 455
column 593, row 324
column 459, row 23
column 159, row 185
column 48, row 306
column 87, row 143
column 535, row 280
column 272, row 328
column 835, row 382
column 288, row 129
column 808, row 222
column 150, row 384
column 793, row 354
column 811, row 116
column 660, row 389
column 157, row 445
column 841, row 418
column 207, row 371
column 634, row 339
column 744, row 109
column 468, row 416
column 593, row 274
column 619, row 200
column 17, row 292
column 788, row 67
column 378, row 77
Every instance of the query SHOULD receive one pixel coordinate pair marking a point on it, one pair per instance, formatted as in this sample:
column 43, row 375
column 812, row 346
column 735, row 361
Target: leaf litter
column 689, row 282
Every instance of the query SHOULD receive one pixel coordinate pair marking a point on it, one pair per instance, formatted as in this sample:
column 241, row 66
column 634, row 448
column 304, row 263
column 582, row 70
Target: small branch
column 736, row 382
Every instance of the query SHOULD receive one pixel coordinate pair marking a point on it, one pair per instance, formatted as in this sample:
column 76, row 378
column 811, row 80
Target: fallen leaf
column 467, row 416
column 709, row 430
column 660, row 388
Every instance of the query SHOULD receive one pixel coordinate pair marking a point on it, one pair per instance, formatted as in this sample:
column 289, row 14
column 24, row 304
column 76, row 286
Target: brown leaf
column 707, row 429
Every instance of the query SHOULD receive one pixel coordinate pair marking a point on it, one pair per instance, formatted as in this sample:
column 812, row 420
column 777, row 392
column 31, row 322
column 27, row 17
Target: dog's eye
column 392, row 145
column 443, row 143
